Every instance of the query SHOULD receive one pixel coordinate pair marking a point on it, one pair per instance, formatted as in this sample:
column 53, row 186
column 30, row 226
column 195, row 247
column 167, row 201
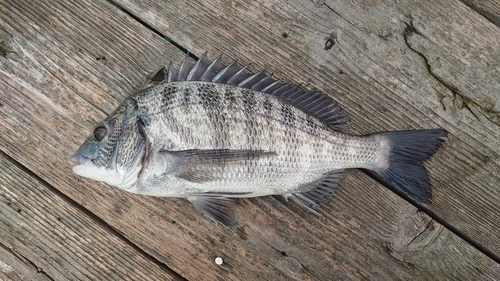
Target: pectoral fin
column 219, row 209
column 198, row 165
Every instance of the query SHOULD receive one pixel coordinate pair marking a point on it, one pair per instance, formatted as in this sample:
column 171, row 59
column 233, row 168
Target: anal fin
column 219, row 209
column 316, row 192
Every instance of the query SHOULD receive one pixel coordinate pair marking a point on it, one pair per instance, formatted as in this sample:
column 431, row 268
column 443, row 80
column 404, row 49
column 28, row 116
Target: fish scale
column 273, row 130
column 211, row 132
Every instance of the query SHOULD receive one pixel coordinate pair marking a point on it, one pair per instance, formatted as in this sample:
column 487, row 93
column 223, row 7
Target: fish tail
column 404, row 168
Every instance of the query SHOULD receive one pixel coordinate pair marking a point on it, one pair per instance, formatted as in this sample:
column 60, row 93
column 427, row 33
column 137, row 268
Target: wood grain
column 490, row 9
column 53, row 88
column 58, row 240
column 394, row 66
column 13, row 267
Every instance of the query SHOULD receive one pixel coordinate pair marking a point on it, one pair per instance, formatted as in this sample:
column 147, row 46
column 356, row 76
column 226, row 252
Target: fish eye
column 99, row 133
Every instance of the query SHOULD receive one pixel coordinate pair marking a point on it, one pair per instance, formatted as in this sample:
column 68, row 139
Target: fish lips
column 84, row 155
column 86, row 168
column 82, row 160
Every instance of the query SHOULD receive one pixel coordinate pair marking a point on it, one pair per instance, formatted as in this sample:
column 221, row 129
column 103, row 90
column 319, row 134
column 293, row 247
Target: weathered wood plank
column 393, row 66
column 490, row 9
column 367, row 232
column 59, row 240
column 16, row 268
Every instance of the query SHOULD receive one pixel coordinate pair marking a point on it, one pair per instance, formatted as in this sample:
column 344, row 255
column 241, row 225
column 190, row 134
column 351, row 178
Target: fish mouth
column 115, row 177
column 82, row 160
column 87, row 169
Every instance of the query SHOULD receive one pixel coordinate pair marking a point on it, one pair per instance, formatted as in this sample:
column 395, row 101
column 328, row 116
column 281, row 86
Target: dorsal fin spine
column 212, row 69
column 172, row 73
column 251, row 78
column 226, row 73
column 184, row 69
column 270, row 88
column 316, row 103
column 239, row 76
column 195, row 69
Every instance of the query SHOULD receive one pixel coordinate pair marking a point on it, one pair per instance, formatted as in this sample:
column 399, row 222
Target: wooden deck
column 392, row 65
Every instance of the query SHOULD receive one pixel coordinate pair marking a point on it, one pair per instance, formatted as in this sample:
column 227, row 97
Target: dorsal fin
column 185, row 68
column 313, row 102
column 172, row 73
column 215, row 67
column 199, row 68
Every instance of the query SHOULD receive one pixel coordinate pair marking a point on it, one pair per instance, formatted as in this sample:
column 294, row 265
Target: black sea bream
column 210, row 132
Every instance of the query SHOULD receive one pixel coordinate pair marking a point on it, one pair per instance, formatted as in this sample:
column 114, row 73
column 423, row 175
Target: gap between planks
column 92, row 216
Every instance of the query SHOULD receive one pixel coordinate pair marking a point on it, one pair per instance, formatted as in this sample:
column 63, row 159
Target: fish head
column 113, row 151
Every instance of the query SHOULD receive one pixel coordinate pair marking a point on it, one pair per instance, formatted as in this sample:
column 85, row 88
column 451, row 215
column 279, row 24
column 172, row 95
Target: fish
column 212, row 132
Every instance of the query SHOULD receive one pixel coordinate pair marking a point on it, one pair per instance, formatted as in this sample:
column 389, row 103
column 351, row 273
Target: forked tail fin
column 409, row 149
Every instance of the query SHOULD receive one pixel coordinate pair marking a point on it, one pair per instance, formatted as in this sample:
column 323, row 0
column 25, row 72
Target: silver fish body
column 210, row 132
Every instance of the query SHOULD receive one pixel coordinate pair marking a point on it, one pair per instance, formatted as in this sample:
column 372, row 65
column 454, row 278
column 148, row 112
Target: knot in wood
column 291, row 264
